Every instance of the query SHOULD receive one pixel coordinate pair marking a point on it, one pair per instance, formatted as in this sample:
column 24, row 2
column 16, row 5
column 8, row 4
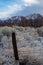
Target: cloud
column 30, row 2
column 11, row 9
column 15, row 7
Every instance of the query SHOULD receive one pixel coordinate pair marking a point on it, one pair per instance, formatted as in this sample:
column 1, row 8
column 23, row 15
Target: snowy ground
column 30, row 45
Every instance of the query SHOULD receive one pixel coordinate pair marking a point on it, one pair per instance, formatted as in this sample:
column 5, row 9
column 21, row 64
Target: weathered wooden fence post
column 18, row 62
column 15, row 49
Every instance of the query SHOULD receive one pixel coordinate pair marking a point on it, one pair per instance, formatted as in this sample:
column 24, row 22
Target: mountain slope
column 34, row 20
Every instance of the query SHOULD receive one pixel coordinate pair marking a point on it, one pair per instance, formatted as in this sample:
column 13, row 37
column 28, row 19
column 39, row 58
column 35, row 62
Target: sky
column 9, row 8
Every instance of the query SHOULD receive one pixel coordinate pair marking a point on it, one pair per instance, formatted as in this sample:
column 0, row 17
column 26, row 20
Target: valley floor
column 29, row 43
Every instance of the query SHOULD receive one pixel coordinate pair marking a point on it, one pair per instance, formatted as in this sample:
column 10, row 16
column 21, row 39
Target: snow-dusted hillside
column 29, row 42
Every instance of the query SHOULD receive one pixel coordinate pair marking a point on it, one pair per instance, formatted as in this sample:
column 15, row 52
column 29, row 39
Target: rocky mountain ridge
column 33, row 20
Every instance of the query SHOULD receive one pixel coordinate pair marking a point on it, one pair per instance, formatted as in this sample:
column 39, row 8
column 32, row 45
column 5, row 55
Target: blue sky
column 10, row 8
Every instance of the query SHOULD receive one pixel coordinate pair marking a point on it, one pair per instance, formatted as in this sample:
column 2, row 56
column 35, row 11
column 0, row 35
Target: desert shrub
column 1, row 35
column 19, row 28
column 7, row 31
column 1, row 44
column 0, row 39
column 40, row 32
column 24, row 61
